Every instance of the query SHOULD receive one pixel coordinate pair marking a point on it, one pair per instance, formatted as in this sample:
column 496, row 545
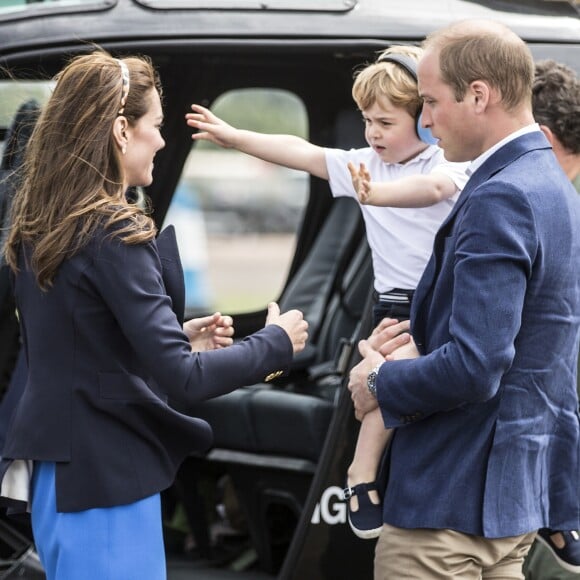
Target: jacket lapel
column 172, row 270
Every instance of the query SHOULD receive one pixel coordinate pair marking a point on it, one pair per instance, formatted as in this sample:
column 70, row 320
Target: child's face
column 390, row 131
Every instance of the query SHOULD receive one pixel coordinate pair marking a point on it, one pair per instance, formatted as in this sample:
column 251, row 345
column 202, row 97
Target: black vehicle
column 252, row 233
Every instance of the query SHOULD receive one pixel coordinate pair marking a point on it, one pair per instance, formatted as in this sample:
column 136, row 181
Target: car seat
column 269, row 438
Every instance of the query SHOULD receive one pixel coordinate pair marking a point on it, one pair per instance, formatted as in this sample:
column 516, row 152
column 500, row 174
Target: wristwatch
column 372, row 380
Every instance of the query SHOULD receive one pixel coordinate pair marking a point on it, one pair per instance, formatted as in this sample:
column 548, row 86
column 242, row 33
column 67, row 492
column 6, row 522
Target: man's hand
column 209, row 332
column 357, row 385
column 407, row 351
column 389, row 335
column 390, row 340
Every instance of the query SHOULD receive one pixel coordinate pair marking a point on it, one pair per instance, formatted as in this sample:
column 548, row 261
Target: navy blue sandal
column 367, row 521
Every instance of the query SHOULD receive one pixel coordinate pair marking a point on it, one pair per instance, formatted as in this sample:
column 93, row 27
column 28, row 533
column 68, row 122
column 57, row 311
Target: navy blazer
column 488, row 438
column 106, row 351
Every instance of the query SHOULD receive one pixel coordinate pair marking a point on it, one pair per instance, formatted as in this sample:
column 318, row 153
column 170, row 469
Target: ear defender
column 411, row 67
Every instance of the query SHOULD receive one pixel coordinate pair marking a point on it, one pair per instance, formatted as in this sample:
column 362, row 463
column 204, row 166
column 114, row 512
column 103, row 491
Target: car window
column 237, row 217
column 18, row 7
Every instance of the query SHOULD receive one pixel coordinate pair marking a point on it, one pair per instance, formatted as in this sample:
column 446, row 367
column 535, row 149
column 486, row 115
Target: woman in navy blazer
column 101, row 310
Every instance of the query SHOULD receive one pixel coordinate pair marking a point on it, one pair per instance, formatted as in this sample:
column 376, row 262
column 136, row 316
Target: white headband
column 125, row 84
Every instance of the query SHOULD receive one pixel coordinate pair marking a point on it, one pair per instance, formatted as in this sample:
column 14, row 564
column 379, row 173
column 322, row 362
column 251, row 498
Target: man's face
column 450, row 122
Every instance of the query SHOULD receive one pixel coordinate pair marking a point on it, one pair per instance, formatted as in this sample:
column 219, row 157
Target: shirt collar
column 479, row 161
column 427, row 153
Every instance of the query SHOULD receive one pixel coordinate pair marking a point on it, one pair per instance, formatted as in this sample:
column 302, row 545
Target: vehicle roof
column 337, row 22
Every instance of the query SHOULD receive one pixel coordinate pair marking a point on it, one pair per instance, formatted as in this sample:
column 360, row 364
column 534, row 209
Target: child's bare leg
column 370, row 445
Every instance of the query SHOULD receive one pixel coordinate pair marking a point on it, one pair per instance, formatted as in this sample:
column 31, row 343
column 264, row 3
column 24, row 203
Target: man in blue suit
column 484, row 398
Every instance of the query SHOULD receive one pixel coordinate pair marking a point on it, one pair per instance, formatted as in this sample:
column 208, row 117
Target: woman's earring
column 124, row 150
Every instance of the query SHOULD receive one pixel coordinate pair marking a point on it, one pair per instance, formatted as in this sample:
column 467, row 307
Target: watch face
column 372, row 383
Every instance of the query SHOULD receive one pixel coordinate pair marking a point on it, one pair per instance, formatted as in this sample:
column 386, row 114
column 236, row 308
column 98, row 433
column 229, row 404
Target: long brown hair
column 72, row 174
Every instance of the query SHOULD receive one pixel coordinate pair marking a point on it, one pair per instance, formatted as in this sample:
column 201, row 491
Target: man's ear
column 548, row 133
column 120, row 126
column 481, row 94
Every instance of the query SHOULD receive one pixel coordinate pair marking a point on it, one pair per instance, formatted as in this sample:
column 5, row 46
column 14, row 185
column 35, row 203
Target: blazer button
column 273, row 376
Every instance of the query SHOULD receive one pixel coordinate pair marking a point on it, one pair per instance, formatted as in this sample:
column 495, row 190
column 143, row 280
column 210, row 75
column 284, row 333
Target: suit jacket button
column 273, row 376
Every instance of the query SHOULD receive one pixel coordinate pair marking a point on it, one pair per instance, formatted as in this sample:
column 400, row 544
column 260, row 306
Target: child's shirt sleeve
column 339, row 177
column 456, row 172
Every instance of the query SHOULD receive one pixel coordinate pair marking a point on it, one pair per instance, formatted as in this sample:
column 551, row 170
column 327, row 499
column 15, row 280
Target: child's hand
column 361, row 181
column 210, row 127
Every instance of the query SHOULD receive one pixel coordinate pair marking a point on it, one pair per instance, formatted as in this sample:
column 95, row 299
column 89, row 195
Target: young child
column 400, row 239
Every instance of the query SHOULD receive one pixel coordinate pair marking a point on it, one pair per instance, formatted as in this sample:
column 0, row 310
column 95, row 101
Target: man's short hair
column 484, row 50
column 556, row 102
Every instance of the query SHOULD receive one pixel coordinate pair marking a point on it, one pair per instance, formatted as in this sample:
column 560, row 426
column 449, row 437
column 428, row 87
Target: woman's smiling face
column 143, row 141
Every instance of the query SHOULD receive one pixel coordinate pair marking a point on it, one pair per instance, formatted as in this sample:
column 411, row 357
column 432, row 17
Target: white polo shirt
column 400, row 239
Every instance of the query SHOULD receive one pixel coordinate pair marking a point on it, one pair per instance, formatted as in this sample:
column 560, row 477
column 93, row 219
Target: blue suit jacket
column 105, row 353
column 488, row 438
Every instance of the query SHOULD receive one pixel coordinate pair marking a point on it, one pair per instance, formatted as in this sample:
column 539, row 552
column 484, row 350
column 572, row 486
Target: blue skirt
column 116, row 543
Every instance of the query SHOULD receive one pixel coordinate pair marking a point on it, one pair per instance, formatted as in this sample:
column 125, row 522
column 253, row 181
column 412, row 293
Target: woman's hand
column 209, row 332
column 292, row 322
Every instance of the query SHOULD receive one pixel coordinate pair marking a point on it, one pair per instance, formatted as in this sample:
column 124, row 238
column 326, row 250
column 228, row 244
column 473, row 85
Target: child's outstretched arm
column 287, row 150
column 410, row 191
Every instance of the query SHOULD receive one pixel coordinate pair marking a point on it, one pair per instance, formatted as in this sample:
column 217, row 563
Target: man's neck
column 571, row 165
